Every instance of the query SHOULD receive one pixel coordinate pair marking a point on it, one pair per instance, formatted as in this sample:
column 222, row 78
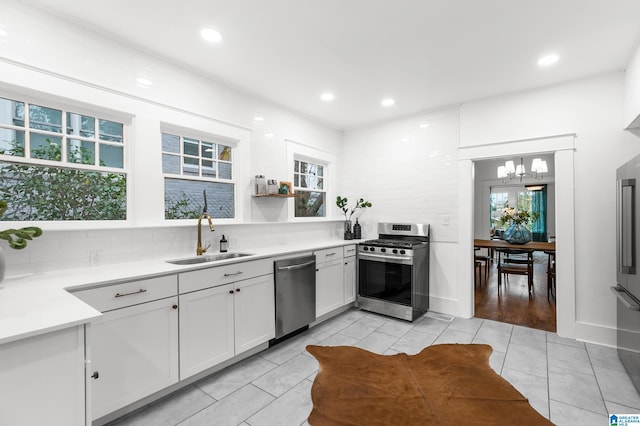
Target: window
column 60, row 165
column 310, row 186
column 194, row 166
column 497, row 201
column 517, row 197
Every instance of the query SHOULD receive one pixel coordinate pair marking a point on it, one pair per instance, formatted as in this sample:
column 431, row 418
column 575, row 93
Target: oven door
column 385, row 278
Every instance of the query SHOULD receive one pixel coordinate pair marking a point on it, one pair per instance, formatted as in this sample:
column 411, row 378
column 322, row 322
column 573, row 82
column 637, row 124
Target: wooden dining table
column 531, row 245
column 502, row 244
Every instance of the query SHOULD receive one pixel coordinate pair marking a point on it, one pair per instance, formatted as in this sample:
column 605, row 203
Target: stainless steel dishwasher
column 295, row 286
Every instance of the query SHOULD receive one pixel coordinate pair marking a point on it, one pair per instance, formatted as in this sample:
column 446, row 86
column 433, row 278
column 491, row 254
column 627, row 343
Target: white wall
column 592, row 109
column 49, row 58
column 632, row 92
column 409, row 173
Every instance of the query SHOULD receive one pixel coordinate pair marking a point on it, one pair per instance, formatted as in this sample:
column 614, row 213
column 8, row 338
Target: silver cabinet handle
column 330, row 254
column 232, row 274
column 625, row 299
column 298, row 266
column 142, row 290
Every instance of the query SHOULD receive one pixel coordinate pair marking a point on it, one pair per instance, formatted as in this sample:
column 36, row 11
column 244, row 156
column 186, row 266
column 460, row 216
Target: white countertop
column 39, row 303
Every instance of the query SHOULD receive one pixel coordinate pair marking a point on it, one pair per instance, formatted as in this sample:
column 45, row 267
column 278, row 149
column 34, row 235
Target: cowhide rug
column 442, row 385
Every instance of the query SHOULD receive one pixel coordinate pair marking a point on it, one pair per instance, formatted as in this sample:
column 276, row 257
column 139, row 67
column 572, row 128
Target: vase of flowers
column 517, row 231
column 17, row 238
column 342, row 205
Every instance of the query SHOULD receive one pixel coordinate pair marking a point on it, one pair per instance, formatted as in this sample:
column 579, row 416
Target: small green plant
column 342, row 205
column 17, row 238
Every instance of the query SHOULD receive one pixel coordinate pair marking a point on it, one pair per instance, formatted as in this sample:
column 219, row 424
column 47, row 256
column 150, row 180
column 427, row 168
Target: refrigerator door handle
column 625, row 299
column 625, row 226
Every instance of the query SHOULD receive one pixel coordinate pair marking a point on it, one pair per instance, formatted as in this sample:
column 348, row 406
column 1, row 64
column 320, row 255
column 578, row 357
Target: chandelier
column 510, row 170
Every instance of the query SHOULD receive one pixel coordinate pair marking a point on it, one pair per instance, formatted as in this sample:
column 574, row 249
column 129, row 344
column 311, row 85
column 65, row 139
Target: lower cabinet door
column 42, row 380
column 349, row 279
column 254, row 307
column 134, row 353
column 206, row 329
column 329, row 287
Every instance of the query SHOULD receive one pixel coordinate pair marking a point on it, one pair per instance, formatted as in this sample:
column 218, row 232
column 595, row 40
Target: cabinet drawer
column 218, row 275
column 329, row 254
column 117, row 296
column 349, row 250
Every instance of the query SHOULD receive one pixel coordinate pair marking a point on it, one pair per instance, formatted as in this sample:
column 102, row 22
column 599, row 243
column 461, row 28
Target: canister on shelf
column 272, row 186
column 261, row 184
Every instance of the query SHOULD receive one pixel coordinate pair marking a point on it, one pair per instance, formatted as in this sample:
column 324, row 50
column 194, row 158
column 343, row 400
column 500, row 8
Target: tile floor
column 569, row 382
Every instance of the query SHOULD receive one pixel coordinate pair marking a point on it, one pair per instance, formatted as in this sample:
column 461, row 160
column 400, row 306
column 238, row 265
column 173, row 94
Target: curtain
column 539, row 205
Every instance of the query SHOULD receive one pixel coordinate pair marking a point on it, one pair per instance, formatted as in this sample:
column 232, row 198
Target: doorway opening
column 562, row 148
column 517, row 298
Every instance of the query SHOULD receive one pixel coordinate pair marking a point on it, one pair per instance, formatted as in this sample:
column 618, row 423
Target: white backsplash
column 67, row 250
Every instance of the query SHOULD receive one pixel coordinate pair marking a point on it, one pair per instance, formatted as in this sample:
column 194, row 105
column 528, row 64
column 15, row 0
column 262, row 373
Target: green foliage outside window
column 180, row 209
column 35, row 192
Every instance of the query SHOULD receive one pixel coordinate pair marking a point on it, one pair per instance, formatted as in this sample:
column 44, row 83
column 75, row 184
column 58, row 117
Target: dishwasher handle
column 626, row 299
column 298, row 266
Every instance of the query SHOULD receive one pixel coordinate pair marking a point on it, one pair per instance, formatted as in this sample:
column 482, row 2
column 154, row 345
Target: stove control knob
column 402, row 252
column 365, row 248
column 372, row 249
column 383, row 250
column 395, row 251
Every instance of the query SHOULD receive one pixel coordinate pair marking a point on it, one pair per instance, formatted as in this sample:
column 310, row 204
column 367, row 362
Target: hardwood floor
column 512, row 303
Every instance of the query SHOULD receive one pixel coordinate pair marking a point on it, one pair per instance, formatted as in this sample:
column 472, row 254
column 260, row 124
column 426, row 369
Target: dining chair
column 516, row 262
column 477, row 273
column 551, row 273
column 482, row 259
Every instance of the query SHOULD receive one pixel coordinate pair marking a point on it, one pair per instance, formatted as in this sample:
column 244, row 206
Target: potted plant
column 17, row 238
column 517, row 221
column 342, row 205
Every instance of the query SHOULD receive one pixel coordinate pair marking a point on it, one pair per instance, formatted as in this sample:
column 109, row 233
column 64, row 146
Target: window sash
column 29, row 133
column 201, row 161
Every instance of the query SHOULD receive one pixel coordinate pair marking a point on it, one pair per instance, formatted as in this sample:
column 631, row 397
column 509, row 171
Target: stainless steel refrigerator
column 627, row 287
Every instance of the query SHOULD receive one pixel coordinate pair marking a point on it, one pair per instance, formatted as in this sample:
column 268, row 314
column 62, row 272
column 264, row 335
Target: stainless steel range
column 393, row 271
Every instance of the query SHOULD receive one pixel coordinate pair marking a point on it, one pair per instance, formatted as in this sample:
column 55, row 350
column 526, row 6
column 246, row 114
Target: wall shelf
column 276, row 195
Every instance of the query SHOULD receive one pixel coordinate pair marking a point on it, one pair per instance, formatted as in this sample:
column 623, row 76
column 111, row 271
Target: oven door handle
column 367, row 256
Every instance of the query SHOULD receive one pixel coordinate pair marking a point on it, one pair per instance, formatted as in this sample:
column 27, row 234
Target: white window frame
column 299, row 151
column 69, row 106
column 203, row 136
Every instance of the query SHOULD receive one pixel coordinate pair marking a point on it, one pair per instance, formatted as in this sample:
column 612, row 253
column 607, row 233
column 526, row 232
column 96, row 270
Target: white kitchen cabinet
column 254, row 312
column 224, row 320
column 329, row 280
column 134, row 353
column 206, row 329
column 133, row 348
column 349, row 279
column 42, row 380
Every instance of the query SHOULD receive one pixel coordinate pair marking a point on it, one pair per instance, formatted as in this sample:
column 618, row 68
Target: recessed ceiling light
column 424, row 125
column 144, row 81
column 327, row 97
column 388, row 102
column 211, row 35
column 545, row 61
column 269, row 135
column 258, row 118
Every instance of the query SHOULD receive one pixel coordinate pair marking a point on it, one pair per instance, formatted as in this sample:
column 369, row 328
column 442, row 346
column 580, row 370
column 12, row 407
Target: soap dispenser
column 224, row 244
column 357, row 230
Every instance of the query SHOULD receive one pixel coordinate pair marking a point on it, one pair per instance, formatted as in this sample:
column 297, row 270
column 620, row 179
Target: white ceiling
column 423, row 53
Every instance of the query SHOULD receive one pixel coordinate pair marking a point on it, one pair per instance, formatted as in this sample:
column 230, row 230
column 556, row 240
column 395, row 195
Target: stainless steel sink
column 207, row 258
